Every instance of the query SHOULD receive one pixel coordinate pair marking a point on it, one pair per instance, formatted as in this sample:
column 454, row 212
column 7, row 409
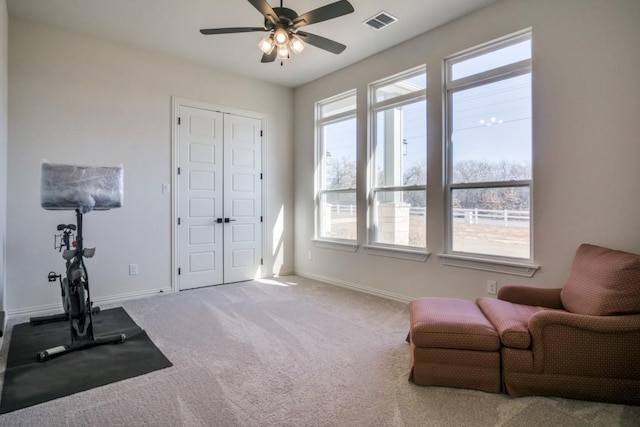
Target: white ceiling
column 172, row 27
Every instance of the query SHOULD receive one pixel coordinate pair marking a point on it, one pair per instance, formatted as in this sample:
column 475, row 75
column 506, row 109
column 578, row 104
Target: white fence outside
column 344, row 209
column 506, row 217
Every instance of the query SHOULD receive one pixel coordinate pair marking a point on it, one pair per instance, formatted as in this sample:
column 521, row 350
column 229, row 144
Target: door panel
column 242, row 198
column 200, row 250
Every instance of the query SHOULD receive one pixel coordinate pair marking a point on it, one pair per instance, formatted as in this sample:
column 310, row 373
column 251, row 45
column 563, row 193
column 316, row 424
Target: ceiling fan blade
column 321, row 42
column 264, row 8
column 269, row 57
column 324, row 13
column 208, row 31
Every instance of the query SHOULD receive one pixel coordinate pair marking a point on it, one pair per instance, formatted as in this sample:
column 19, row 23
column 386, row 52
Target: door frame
column 177, row 102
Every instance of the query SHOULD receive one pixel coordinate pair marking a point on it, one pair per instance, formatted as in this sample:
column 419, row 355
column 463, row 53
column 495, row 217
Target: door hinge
column 178, row 121
column 178, row 171
column 260, row 133
column 178, row 221
column 260, row 219
column 261, row 261
column 179, row 271
column 260, row 175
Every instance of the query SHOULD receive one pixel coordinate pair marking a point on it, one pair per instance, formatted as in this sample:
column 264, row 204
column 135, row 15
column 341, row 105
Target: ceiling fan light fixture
column 296, row 44
column 283, row 52
column 283, row 28
column 281, row 37
column 266, row 45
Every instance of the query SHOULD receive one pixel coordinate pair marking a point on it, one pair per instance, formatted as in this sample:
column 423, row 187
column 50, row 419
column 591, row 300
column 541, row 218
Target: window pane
column 340, row 154
column 338, row 106
column 401, row 145
column 491, row 131
column 490, row 60
column 336, row 168
column 400, row 218
column 491, row 221
column 338, row 216
column 402, row 87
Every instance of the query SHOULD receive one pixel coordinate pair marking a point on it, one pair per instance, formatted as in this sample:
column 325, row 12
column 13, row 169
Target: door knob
column 219, row 220
column 229, row 220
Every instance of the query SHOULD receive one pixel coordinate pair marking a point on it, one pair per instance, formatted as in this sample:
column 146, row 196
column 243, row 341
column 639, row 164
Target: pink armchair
column 581, row 341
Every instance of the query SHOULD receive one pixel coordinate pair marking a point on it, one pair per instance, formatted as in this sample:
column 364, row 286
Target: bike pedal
column 52, row 276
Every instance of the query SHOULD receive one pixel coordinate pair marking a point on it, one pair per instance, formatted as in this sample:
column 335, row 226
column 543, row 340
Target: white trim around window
column 488, row 157
column 396, row 207
column 336, row 220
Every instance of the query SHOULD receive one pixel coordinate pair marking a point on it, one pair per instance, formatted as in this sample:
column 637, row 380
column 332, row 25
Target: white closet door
column 219, row 237
column 200, row 237
column 242, row 198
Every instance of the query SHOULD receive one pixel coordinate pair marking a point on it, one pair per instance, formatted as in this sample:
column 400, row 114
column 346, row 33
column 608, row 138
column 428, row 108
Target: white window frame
column 372, row 247
column 350, row 245
column 487, row 262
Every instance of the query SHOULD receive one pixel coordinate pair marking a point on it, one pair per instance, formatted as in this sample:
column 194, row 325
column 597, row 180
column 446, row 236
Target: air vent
column 380, row 20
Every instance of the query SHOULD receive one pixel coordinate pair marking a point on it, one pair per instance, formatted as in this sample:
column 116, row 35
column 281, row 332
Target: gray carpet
column 291, row 352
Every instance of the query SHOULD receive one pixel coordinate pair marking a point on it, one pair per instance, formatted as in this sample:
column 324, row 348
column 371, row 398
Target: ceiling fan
column 283, row 26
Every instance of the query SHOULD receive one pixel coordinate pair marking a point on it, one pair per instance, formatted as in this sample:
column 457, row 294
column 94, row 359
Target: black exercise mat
column 29, row 382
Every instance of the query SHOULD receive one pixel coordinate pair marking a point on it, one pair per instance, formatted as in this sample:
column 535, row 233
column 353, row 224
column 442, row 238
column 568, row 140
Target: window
column 398, row 155
column 336, row 213
column 488, row 151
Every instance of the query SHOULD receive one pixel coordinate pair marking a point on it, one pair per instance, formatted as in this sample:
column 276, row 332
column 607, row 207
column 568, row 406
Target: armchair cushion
column 602, row 282
column 528, row 295
column 510, row 320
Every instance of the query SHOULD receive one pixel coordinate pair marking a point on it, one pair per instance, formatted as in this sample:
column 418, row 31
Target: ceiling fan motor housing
column 285, row 15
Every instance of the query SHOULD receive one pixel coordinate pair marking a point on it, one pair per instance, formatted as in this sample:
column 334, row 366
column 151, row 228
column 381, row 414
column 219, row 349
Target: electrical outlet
column 492, row 287
column 133, row 269
column 309, row 255
column 165, row 188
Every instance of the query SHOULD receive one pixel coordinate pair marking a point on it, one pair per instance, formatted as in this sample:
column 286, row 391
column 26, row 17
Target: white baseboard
column 355, row 287
column 125, row 297
column 44, row 310
column 281, row 274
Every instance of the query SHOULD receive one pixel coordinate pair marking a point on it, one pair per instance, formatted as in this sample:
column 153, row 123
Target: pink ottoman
column 453, row 345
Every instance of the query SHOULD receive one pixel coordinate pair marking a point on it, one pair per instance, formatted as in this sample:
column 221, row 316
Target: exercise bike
column 61, row 241
column 76, row 300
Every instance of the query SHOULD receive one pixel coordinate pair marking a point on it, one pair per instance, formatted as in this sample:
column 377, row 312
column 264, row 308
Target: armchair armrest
column 597, row 324
column 527, row 295
column 577, row 344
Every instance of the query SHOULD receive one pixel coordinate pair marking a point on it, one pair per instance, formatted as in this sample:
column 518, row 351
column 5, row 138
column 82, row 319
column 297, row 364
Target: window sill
column 408, row 254
column 337, row 245
column 515, row 268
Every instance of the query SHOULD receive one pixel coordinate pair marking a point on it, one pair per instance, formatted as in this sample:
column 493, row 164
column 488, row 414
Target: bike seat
column 64, row 226
column 89, row 252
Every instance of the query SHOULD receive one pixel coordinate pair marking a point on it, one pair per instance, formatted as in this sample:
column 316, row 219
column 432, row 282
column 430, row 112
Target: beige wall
column 3, row 147
column 75, row 99
column 586, row 132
